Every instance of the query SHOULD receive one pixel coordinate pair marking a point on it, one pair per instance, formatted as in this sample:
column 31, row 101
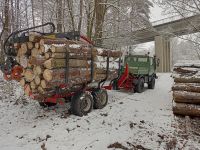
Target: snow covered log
column 187, row 79
column 44, row 63
column 188, row 64
column 190, row 87
column 61, row 63
column 186, row 97
column 57, row 74
column 186, row 109
column 46, row 41
column 184, row 70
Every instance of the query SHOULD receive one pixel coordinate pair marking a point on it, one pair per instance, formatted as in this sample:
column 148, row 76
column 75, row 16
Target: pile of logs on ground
column 48, row 63
column 186, row 89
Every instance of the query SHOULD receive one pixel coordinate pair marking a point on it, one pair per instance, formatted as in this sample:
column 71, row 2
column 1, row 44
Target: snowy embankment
column 129, row 121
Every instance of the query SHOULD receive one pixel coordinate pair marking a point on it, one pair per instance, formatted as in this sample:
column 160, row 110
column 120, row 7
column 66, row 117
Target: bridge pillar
column 162, row 51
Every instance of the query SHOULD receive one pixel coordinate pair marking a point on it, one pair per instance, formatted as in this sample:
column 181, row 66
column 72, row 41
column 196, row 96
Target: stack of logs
column 45, row 65
column 186, row 90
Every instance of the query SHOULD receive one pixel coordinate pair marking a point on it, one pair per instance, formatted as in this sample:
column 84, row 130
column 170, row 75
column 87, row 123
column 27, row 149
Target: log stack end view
column 48, row 63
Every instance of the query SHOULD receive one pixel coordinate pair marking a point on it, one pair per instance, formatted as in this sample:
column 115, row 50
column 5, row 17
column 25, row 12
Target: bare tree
column 71, row 13
column 32, row 12
column 81, row 15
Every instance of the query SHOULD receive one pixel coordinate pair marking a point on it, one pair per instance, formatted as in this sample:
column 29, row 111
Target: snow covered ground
column 129, row 121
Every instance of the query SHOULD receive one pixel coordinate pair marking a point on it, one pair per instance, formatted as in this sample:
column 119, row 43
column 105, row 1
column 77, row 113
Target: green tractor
column 136, row 71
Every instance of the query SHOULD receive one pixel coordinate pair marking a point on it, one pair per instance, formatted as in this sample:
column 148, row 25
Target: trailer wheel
column 82, row 104
column 100, row 98
column 140, row 86
column 46, row 104
column 151, row 84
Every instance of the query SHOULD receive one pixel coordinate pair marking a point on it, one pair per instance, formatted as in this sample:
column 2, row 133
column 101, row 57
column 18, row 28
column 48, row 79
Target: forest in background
column 106, row 22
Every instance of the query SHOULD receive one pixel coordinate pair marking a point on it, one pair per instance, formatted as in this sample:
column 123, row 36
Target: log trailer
column 132, row 74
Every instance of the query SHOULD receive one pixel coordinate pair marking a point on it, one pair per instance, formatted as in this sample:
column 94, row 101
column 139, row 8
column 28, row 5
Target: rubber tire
column 151, row 84
column 140, row 86
column 77, row 99
column 46, row 104
column 100, row 103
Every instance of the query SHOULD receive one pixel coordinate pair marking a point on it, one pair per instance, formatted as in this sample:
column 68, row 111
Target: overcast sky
column 156, row 13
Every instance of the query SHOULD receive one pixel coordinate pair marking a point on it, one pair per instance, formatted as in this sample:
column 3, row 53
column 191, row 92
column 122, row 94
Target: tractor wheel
column 46, row 104
column 100, row 98
column 151, row 84
column 82, row 104
column 140, row 86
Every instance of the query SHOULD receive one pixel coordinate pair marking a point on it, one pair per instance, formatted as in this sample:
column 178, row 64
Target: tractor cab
column 141, row 64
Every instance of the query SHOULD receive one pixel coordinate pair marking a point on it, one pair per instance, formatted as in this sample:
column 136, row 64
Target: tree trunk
column 186, row 109
column 187, row 80
column 81, row 15
column 57, row 41
column 186, row 97
column 100, row 16
column 42, row 13
column 26, row 13
column 61, row 63
column 32, row 12
column 189, row 87
column 37, row 60
column 17, row 14
column 59, row 15
column 6, row 19
column 70, row 8
column 60, row 73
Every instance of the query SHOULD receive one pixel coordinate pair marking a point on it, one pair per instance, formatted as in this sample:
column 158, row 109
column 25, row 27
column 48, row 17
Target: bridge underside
column 161, row 34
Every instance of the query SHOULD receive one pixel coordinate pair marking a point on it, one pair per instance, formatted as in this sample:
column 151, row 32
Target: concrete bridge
column 161, row 32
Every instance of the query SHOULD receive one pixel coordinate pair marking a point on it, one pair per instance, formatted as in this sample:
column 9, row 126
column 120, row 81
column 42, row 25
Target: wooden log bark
column 190, row 87
column 76, row 50
column 184, row 70
column 99, row 77
column 186, row 97
column 60, row 73
column 57, row 41
column 104, row 53
column 60, row 63
column 186, row 109
column 80, row 56
column 81, row 49
column 72, row 82
column 187, row 79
